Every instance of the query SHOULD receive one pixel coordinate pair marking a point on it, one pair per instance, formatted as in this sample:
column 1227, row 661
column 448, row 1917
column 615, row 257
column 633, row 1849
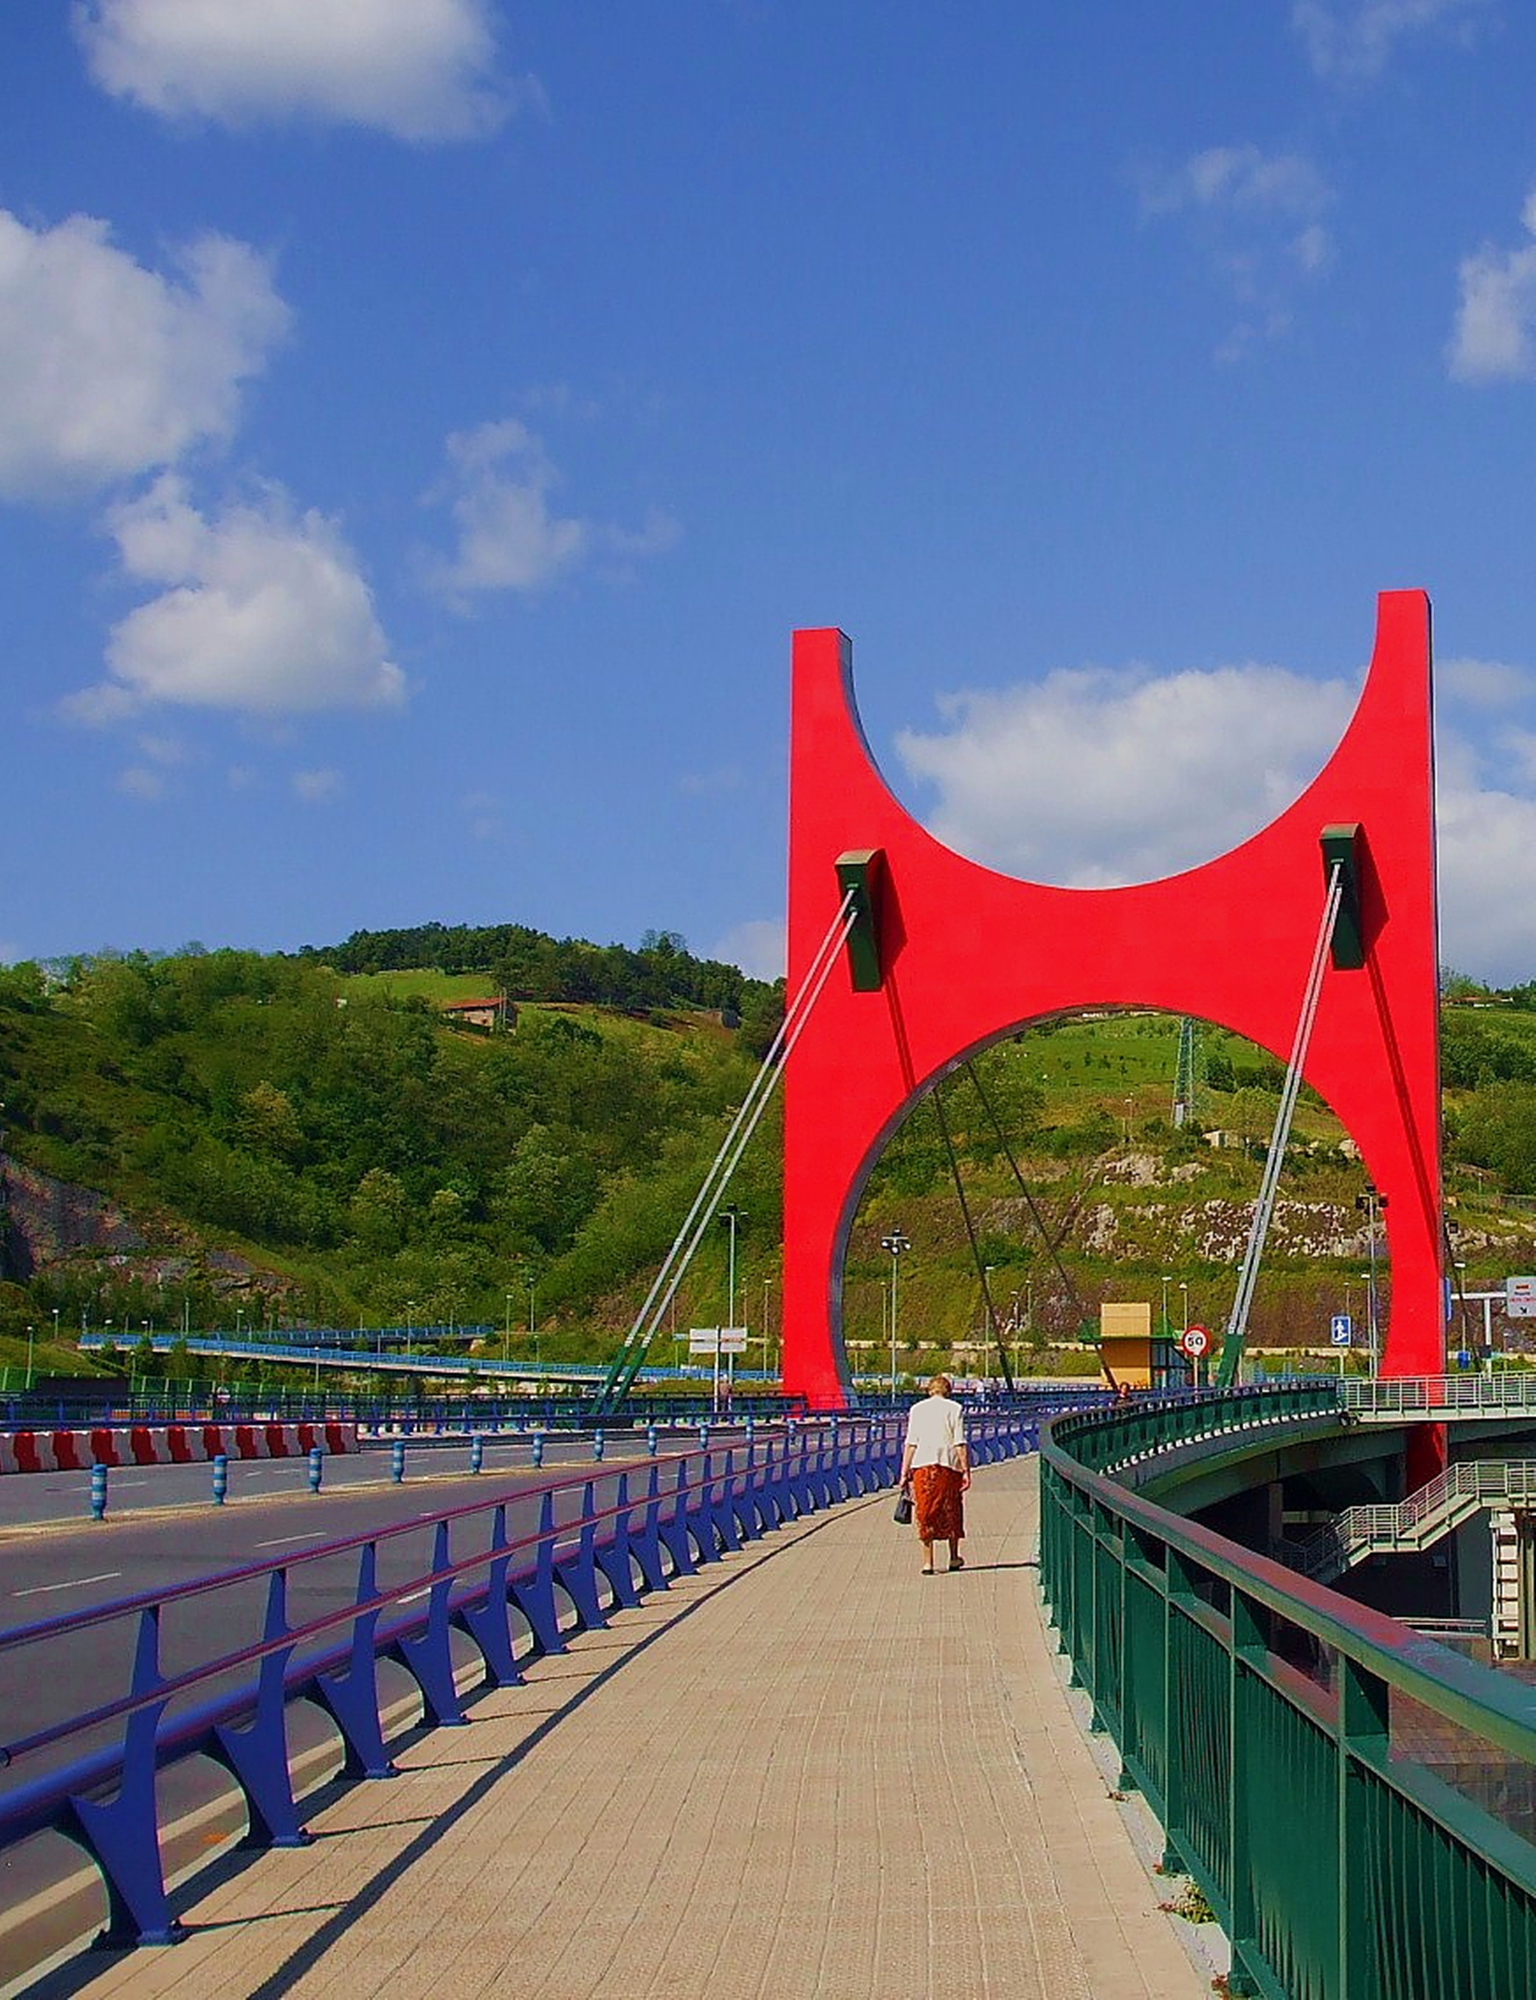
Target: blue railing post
column 316, row 1467
column 98, row 1492
column 397, row 1460
column 220, row 1478
column 476, row 1453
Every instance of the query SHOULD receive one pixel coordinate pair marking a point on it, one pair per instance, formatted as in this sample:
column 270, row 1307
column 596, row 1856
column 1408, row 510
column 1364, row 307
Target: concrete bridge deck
column 805, row 1772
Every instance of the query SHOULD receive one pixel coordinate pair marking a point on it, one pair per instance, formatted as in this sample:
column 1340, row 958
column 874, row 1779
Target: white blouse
column 936, row 1430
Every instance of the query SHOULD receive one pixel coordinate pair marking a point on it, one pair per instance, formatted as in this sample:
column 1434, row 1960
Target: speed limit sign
column 1195, row 1341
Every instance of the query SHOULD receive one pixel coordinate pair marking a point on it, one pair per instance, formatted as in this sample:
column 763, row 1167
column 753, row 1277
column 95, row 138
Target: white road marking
column 282, row 1540
column 74, row 1583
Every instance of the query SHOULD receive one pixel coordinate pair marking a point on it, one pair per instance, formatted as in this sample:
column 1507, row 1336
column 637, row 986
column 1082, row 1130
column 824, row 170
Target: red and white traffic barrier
column 166, row 1444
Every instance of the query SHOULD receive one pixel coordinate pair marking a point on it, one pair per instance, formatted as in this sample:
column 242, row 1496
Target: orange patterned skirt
column 938, row 1505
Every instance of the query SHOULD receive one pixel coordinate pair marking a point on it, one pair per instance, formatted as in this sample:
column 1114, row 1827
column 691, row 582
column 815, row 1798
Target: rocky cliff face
column 43, row 1220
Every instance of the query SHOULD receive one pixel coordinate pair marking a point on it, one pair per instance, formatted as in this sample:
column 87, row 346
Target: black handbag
column 903, row 1514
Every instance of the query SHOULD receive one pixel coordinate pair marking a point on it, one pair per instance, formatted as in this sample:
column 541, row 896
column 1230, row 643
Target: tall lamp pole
column 896, row 1244
column 1375, row 1204
column 732, row 1217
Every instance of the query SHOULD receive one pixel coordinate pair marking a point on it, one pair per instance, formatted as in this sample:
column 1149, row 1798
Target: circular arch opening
column 1104, row 1156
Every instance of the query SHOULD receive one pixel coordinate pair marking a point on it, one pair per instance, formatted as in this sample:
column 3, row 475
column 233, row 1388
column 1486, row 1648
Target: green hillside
column 221, row 1137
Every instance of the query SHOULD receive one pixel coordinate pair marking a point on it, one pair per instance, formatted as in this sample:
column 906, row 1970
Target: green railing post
column 1248, row 1750
column 1364, row 1738
column 1179, row 1590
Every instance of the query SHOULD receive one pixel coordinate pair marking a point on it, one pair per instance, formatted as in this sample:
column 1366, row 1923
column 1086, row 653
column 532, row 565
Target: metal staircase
column 1418, row 1522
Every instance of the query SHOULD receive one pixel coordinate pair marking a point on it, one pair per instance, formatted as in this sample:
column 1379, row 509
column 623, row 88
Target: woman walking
column 936, row 1464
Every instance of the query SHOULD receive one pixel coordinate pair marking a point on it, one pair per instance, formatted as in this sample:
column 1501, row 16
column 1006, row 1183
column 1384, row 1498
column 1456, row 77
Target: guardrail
column 1507, row 1389
column 1278, row 1731
column 210, row 1665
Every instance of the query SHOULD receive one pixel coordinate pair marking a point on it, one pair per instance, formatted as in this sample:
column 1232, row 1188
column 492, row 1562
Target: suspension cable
column 970, row 1231
column 647, row 1322
column 1051, row 1241
column 1248, row 1277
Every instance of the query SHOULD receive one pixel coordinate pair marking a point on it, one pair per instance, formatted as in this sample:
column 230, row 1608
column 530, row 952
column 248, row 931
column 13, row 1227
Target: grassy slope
column 1120, row 1067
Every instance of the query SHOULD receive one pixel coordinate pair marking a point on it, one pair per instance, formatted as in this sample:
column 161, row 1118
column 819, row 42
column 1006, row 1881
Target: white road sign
column 1520, row 1298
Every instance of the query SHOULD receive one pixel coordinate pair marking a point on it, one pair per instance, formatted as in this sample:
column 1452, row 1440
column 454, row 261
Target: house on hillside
column 497, row 1012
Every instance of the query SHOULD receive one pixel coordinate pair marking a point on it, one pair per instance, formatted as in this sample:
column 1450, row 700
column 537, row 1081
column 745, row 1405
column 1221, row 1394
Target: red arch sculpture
column 966, row 955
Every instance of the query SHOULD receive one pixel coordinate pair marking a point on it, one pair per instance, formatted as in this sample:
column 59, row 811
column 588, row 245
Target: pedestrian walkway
column 807, row 1773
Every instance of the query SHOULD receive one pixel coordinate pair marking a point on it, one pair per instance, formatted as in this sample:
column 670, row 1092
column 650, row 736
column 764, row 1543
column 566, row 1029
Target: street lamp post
column 506, row 1338
column 31, row 1336
column 732, row 1217
column 1183, row 1306
column 410, row 1326
column 1374, row 1203
column 1165, row 1281
column 767, row 1359
column 896, row 1244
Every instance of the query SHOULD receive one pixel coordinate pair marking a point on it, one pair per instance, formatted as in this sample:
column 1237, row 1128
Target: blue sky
column 423, row 422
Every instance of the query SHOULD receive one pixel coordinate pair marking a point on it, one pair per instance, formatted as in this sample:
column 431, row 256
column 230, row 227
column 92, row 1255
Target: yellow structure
column 1125, row 1344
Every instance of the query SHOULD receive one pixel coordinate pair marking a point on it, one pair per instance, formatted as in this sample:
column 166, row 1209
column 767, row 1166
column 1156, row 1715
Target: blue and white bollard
column 476, row 1453
column 538, row 1447
column 316, row 1468
column 220, row 1478
column 598, row 1444
column 397, row 1460
column 751, row 1427
column 98, row 1492
column 703, row 1437
column 650, row 1439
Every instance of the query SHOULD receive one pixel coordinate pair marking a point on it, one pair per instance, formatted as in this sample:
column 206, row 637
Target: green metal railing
column 1354, row 1800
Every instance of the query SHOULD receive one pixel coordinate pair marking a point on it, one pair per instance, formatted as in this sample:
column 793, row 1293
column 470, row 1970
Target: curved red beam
column 968, row 955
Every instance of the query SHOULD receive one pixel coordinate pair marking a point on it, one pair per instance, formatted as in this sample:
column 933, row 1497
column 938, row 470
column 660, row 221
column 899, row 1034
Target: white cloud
column 1494, row 338
column 1092, row 778
column 140, row 782
column 264, row 613
column 317, row 788
column 1352, row 41
column 1487, row 881
column 1241, row 180
column 1257, row 217
column 499, row 490
column 108, row 369
column 418, row 69
column 1484, row 684
column 482, row 811
column 757, row 946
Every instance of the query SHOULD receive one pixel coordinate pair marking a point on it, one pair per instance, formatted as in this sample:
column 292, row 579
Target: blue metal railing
column 567, row 1550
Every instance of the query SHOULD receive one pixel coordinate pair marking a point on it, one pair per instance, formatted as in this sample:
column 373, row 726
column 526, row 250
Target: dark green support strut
column 861, row 871
column 1344, row 848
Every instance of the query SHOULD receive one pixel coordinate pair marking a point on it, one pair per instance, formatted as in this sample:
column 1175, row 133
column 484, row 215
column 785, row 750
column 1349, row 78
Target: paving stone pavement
column 806, row 1774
